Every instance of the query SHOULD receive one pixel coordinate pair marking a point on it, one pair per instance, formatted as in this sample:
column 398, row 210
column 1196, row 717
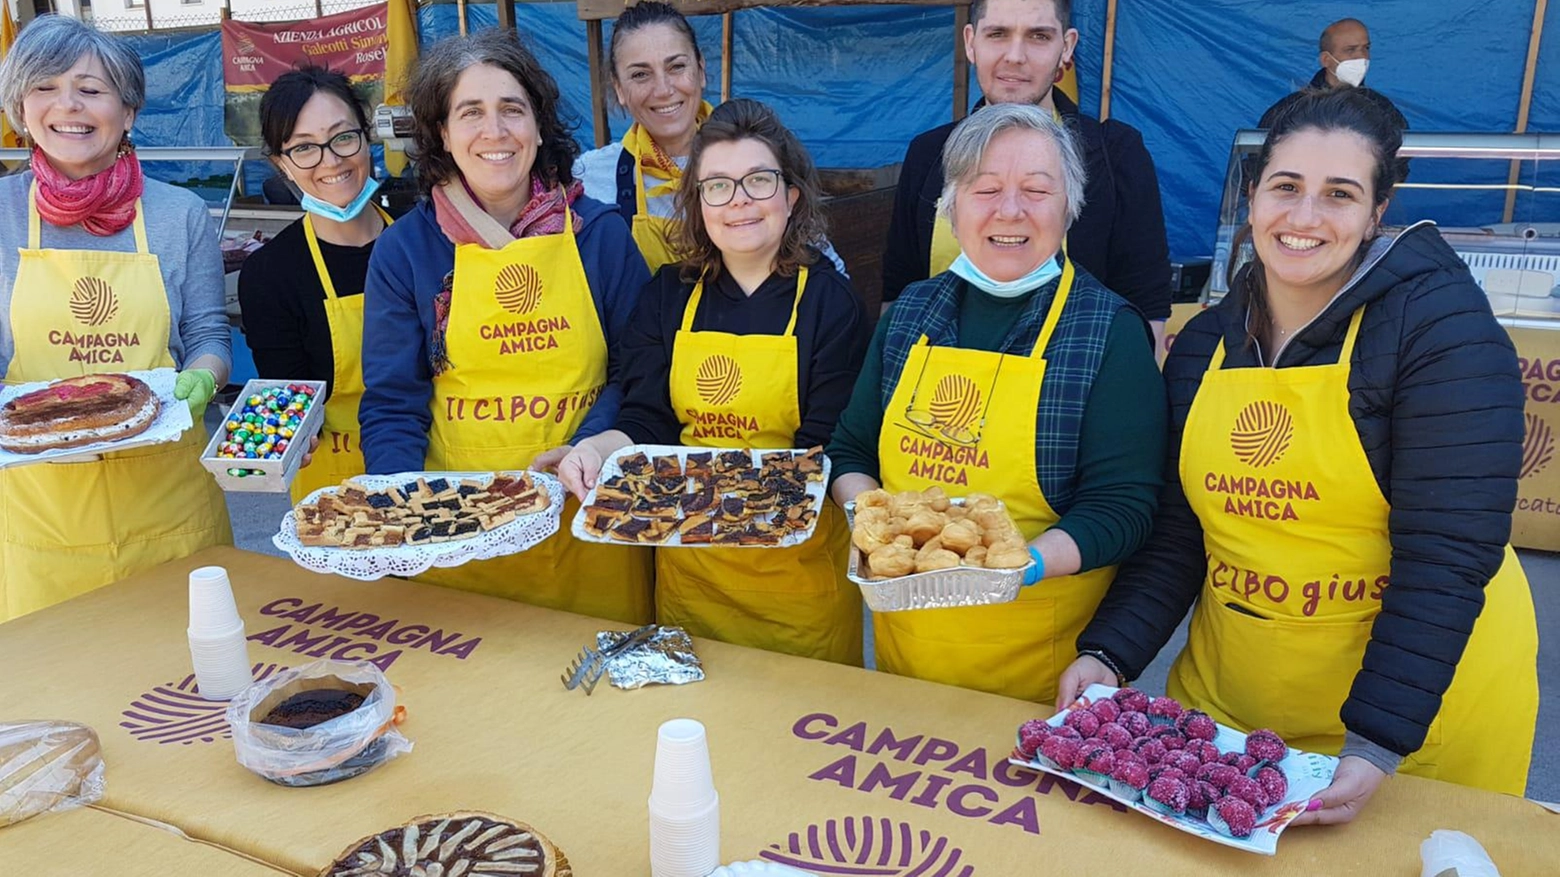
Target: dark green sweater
column 1121, row 446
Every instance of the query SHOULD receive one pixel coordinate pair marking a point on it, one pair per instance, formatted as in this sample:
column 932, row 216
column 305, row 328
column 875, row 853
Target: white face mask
column 1352, row 72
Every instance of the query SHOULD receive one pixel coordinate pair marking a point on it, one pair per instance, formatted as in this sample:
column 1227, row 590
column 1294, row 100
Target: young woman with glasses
column 1016, row 374
column 752, row 340
column 302, row 293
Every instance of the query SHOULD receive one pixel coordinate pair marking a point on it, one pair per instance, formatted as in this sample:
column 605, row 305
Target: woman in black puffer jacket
column 1346, row 433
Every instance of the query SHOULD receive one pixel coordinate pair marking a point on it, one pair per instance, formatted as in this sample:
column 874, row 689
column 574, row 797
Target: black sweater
column 831, row 338
column 1436, row 397
column 1120, row 238
column 283, row 303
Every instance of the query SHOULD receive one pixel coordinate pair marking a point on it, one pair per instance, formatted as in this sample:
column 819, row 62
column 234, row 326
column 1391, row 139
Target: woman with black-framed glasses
column 1015, row 374
column 302, row 293
column 751, row 341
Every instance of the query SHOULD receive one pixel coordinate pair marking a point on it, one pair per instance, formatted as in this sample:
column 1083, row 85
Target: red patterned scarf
column 103, row 203
column 464, row 221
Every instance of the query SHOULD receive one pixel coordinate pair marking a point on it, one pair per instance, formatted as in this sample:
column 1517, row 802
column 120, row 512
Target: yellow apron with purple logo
column 1018, row 649
column 70, row 528
column 338, row 456
column 528, row 358
column 1299, row 559
column 740, row 391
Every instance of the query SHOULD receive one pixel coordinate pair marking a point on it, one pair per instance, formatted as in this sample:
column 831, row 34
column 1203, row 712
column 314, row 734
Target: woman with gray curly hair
column 89, row 285
column 1017, row 375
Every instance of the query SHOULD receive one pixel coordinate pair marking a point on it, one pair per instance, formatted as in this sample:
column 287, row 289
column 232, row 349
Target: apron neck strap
column 35, row 224
column 319, row 258
column 796, row 303
column 1055, row 315
column 640, row 198
column 1345, row 354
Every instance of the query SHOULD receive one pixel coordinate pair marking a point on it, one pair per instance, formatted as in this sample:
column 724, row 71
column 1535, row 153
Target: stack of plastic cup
column 217, row 645
column 684, row 808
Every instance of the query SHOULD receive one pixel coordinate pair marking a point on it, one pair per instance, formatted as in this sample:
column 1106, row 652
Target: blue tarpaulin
column 183, row 101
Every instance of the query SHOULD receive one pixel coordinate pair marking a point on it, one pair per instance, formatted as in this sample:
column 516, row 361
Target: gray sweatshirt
column 179, row 232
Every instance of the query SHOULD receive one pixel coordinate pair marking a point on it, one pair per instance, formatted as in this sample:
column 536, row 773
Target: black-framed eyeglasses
column 952, row 425
column 760, row 185
column 343, row 145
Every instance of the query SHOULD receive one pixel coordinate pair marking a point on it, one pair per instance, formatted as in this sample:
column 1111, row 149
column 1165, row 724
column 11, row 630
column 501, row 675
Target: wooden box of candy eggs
column 260, row 443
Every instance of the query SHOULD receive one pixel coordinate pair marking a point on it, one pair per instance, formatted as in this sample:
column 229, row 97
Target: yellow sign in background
column 1536, row 521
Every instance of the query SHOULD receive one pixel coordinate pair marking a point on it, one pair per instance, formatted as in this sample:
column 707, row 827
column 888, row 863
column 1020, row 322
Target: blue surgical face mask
column 328, row 210
column 1042, row 274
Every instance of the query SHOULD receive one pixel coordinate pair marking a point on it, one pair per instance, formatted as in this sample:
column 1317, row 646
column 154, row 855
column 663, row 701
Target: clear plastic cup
column 212, row 609
column 684, row 782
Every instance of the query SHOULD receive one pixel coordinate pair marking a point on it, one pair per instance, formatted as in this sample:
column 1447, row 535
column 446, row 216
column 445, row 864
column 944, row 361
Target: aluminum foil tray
column 939, row 589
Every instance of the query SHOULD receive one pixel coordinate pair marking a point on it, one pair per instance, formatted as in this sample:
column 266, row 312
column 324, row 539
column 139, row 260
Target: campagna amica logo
column 1538, row 445
column 1262, row 433
column 955, row 402
column 719, row 379
column 92, row 301
column 176, row 713
column 861, row 846
column 518, row 288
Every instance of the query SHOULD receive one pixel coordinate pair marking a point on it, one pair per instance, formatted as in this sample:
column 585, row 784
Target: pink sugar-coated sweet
column 1264, row 745
column 1117, row 736
column 1123, row 755
column 1239, row 760
column 1197, row 725
column 1204, row 794
column 1106, row 710
column 1101, row 761
column 1275, row 786
column 1168, row 792
column 1155, row 773
column 1132, row 773
column 1135, row 722
column 1152, row 750
column 1163, row 708
column 1131, row 699
column 1082, row 721
column 1246, row 789
column 1239, row 818
column 1185, row 762
column 1090, row 748
column 1172, row 740
column 1065, row 731
column 1030, row 735
column 1061, row 750
column 1206, row 752
column 1219, row 775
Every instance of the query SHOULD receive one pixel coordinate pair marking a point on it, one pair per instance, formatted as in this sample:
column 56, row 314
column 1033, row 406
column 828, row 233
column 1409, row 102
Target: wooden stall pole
column 1110, row 58
column 460, row 14
column 598, row 81
column 961, row 64
column 146, row 6
column 727, row 29
column 319, row 8
column 226, row 12
column 1526, row 103
column 506, row 14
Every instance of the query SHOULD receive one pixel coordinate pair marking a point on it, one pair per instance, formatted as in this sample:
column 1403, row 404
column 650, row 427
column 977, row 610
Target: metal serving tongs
column 589, row 665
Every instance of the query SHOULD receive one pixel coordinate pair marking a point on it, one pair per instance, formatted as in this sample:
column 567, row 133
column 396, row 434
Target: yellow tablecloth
column 91, row 841
column 816, row 763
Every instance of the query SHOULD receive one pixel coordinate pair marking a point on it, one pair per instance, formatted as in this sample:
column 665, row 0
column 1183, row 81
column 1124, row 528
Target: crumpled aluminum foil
column 667, row 658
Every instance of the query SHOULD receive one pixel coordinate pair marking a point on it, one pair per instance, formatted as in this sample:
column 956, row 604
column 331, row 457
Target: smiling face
column 1312, row 208
column 1017, row 47
column 77, row 118
column 660, row 80
column 335, row 180
column 746, row 228
column 491, row 134
column 1011, row 214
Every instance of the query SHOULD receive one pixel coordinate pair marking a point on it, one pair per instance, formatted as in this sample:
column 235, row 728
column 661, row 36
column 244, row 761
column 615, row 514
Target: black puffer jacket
column 1436, row 397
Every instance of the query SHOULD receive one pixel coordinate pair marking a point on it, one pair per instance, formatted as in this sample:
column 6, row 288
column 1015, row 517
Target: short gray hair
column 964, row 150
column 51, row 45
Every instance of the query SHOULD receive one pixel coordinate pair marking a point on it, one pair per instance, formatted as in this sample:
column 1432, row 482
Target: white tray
column 1307, row 773
column 275, row 475
column 367, row 564
column 172, row 420
column 938, row 589
column 609, row 469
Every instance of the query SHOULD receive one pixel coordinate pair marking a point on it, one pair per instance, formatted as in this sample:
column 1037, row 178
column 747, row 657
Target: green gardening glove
column 196, row 386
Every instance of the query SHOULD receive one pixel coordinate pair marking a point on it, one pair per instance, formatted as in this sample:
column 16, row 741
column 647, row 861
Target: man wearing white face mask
column 1344, row 55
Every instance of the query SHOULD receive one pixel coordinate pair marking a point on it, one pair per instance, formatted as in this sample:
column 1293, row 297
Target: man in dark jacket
column 1344, row 56
column 1018, row 47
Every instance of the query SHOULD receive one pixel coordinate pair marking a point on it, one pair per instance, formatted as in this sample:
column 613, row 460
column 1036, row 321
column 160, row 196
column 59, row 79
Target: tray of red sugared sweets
column 1177, row 765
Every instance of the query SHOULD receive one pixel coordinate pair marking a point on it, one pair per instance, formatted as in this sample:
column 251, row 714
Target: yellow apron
column 528, row 358
column 338, row 456
column 795, row 600
column 1299, row 556
column 653, row 234
column 69, row 528
column 1017, row 649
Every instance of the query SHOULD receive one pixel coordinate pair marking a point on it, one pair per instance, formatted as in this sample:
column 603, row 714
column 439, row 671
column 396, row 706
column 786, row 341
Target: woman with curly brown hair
column 495, row 310
column 752, row 302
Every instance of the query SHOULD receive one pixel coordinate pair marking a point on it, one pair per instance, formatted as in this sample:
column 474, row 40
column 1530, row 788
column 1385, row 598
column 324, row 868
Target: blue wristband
column 1036, row 572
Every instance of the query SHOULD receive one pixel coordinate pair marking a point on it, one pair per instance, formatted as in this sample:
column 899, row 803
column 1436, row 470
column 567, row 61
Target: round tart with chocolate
column 465, row 844
column 77, row 411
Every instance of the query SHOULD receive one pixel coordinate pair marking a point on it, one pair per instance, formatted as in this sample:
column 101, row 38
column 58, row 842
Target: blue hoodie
column 405, row 273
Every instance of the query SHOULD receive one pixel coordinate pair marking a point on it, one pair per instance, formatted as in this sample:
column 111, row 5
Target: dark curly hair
column 745, row 119
column 431, row 85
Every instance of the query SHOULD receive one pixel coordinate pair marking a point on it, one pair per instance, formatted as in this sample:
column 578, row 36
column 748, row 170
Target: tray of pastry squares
column 371, row 526
column 684, row 497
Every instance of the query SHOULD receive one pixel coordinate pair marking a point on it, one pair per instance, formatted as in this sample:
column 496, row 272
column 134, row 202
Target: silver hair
column 52, row 44
column 965, row 148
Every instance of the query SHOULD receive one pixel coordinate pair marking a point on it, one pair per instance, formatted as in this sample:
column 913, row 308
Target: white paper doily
column 367, row 564
column 173, row 418
column 759, row 868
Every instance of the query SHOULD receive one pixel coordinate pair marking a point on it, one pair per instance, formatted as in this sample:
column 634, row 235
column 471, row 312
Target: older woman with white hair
column 100, row 271
column 1015, row 374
